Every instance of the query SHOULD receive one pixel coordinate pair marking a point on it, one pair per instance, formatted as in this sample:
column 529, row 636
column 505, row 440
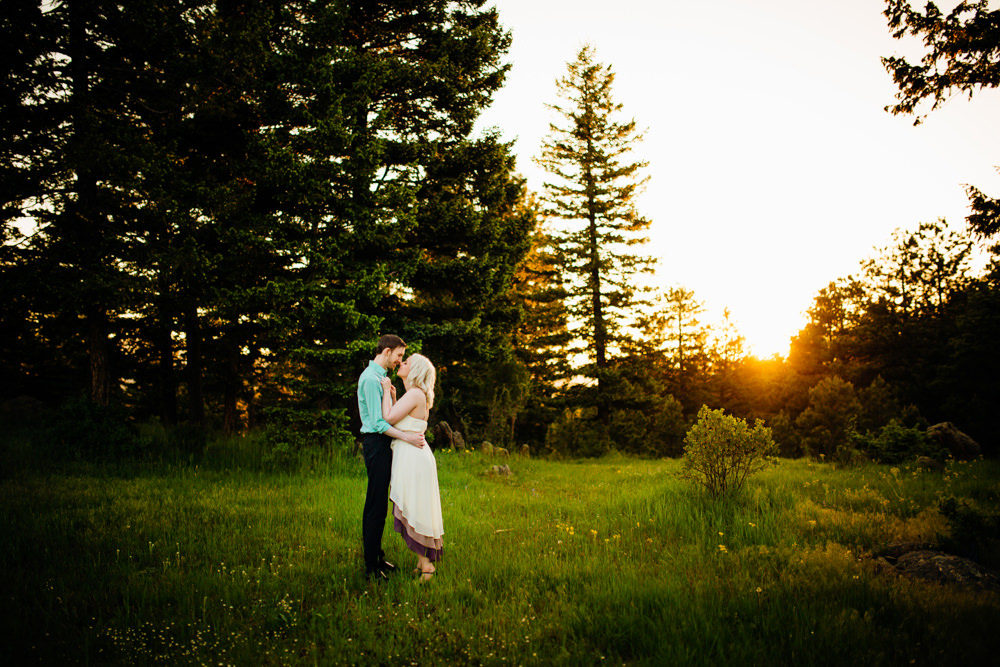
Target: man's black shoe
column 386, row 567
column 376, row 575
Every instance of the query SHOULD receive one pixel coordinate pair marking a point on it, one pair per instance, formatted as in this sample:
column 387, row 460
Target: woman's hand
column 388, row 386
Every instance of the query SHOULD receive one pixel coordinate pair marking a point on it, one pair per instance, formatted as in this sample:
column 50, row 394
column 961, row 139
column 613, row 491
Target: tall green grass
column 613, row 561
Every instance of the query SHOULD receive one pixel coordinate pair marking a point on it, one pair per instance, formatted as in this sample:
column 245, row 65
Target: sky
column 774, row 168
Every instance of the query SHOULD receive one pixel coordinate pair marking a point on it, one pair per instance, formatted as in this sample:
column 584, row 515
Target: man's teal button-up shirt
column 370, row 399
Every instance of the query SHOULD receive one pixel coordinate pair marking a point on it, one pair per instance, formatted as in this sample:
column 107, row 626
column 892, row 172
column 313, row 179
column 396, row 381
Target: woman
column 413, row 487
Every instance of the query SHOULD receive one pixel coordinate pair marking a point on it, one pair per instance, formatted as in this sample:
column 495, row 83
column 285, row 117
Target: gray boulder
column 927, row 463
column 947, row 569
column 892, row 552
column 958, row 443
column 444, row 437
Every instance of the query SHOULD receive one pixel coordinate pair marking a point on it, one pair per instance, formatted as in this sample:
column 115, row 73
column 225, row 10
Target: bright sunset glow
column 774, row 167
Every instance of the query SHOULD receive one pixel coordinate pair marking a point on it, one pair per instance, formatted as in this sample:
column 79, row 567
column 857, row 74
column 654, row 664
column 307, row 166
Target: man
column 376, row 436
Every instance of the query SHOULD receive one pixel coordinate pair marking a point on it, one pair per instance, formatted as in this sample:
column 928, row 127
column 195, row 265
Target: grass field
column 610, row 561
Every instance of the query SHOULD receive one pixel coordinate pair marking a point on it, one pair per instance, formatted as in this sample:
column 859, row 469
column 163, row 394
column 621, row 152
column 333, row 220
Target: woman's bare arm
column 389, row 413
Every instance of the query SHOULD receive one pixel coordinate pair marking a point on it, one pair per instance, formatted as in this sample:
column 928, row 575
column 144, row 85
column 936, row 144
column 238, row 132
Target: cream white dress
column 414, row 492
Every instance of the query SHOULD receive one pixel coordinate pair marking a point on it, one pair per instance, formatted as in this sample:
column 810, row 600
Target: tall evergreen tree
column 72, row 162
column 686, row 346
column 235, row 198
column 411, row 223
column 592, row 192
column 963, row 56
column 726, row 355
column 542, row 335
column 31, row 113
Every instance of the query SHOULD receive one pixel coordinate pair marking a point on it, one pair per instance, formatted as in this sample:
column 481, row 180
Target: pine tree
column 242, row 195
column 541, row 337
column 592, row 192
column 686, row 339
column 961, row 57
column 72, row 147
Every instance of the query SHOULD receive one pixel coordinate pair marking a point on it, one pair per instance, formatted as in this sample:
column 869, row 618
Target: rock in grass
column 892, row 552
column 947, row 569
column 947, row 436
column 927, row 463
column 444, row 438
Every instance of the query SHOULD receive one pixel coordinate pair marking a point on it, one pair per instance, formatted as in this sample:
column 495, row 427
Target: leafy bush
column 827, row 423
column 656, row 431
column 299, row 437
column 974, row 531
column 82, row 429
column 509, row 384
column 577, row 433
column 176, row 443
column 895, row 443
column 879, row 405
column 786, row 435
column 721, row 451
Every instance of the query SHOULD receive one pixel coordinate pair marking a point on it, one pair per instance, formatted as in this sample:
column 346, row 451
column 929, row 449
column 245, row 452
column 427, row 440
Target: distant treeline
column 212, row 210
column 906, row 343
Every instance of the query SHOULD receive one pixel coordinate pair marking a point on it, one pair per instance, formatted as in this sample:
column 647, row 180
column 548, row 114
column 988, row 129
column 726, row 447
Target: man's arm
column 415, row 439
column 371, row 389
column 388, row 405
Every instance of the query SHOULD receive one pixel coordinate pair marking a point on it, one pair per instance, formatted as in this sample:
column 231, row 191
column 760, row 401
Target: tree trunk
column 165, row 355
column 100, row 356
column 231, row 415
column 600, row 334
column 84, row 218
column 192, row 331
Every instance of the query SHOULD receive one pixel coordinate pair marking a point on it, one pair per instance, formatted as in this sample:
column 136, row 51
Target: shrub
column 895, row 443
column 827, row 423
column 577, row 433
column 973, row 531
column 721, row 451
column 879, row 405
column 786, row 435
column 296, row 437
column 656, row 431
column 82, row 429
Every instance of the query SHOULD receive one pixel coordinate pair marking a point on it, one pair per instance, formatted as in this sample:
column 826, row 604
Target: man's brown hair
column 391, row 341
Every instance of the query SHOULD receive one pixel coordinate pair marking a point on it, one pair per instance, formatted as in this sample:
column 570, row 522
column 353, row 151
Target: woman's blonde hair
column 423, row 375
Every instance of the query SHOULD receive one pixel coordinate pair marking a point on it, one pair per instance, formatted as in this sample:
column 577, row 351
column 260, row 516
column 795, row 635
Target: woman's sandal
column 426, row 575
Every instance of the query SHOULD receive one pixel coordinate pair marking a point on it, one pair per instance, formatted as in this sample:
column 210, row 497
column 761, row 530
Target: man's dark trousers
column 378, row 461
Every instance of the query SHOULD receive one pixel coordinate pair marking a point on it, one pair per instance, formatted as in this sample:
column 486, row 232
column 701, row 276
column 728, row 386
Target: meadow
column 608, row 561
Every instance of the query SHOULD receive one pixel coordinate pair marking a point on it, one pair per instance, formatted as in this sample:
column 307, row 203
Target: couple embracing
column 397, row 457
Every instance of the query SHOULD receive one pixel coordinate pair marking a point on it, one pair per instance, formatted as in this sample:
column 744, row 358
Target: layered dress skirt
column 414, row 493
